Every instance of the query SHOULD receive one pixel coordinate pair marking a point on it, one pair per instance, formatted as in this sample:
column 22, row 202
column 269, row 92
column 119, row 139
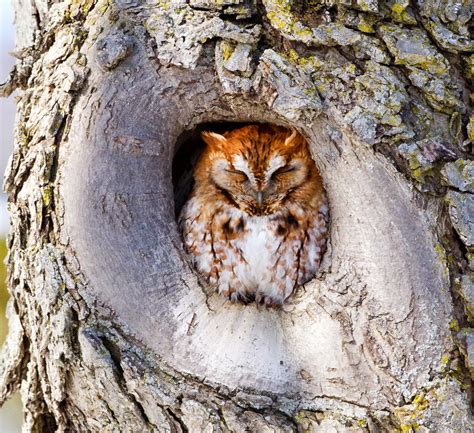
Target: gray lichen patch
column 282, row 18
column 366, row 5
column 427, row 410
column 328, row 34
column 448, row 23
column 112, row 49
column 240, row 8
column 427, row 68
column 400, row 11
column 459, row 174
column 364, row 22
column 380, row 97
column 277, row 82
column 237, row 58
column 371, row 48
column 424, row 65
column 442, row 93
column 413, row 48
column 371, row 101
column 234, row 66
column 449, row 40
column 461, row 211
column 180, row 33
column 292, row 94
column 466, row 335
column 334, row 34
column 422, row 157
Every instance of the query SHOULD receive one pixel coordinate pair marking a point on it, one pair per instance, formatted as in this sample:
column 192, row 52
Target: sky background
column 10, row 413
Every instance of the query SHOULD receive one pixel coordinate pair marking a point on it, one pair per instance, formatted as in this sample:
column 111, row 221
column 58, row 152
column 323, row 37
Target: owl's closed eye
column 255, row 222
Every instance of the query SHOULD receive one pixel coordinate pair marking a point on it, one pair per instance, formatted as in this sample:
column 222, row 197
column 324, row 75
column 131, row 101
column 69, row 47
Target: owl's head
column 257, row 168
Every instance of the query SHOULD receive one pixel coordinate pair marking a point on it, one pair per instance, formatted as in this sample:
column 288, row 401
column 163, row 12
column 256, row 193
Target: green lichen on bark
column 427, row 68
column 448, row 24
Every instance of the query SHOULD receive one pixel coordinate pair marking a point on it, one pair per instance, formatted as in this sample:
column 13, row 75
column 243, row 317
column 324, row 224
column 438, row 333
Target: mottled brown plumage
column 255, row 222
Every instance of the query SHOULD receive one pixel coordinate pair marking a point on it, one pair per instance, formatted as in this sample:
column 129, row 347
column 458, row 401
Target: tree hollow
column 368, row 330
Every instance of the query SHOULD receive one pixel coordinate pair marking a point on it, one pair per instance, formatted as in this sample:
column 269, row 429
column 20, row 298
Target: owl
column 255, row 223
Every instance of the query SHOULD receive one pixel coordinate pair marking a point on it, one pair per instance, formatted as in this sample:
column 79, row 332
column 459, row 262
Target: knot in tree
column 332, row 182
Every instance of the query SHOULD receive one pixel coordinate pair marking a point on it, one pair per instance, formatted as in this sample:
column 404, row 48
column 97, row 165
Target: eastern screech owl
column 255, row 222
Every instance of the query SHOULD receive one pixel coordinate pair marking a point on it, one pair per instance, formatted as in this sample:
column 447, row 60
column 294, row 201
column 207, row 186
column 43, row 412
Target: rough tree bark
column 110, row 329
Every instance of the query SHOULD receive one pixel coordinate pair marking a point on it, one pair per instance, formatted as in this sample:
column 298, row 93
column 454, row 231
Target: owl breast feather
column 261, row 258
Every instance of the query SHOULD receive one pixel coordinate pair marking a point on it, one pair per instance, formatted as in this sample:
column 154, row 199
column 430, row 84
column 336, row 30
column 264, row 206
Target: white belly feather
column 266, row 259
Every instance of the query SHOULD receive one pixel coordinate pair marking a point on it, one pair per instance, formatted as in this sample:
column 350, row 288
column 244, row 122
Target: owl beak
column 259, row 198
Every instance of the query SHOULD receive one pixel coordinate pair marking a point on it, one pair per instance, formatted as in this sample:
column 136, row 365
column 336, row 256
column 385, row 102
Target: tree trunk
column 111, row 329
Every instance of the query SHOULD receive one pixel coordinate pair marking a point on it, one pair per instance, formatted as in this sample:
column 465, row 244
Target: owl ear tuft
column 291, row 139
column 212, row 139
